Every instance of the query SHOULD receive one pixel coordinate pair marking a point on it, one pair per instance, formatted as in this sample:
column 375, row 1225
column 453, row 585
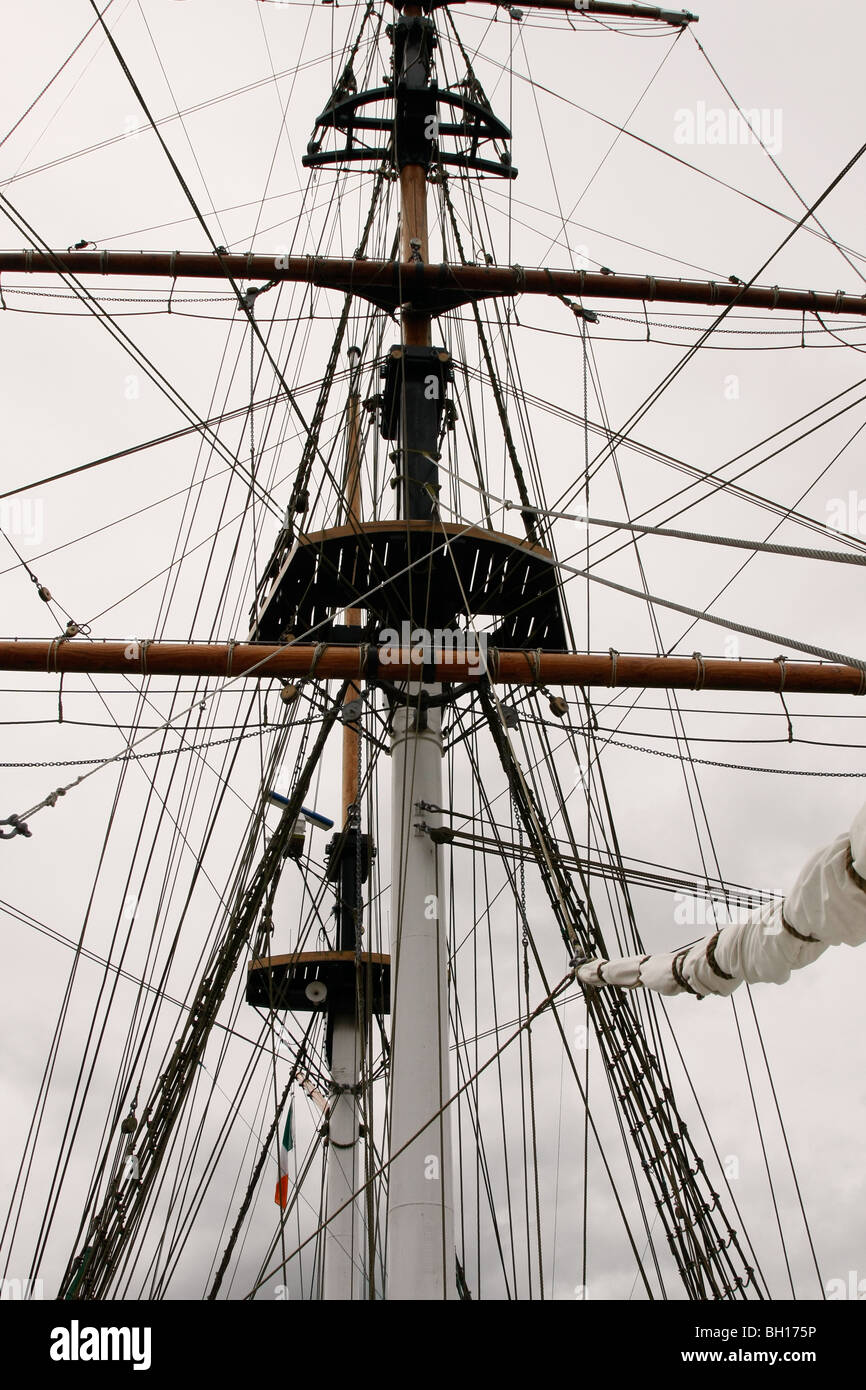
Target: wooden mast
column 421, row 1258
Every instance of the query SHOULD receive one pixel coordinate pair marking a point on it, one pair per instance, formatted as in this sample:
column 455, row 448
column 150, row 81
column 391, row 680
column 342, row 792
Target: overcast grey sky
column 70, row 395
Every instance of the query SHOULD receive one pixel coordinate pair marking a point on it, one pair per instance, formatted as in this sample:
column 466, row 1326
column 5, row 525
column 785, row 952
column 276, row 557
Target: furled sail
column 826, row 907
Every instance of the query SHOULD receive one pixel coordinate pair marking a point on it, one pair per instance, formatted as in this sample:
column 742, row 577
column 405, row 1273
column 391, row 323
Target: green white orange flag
column 281, row 1197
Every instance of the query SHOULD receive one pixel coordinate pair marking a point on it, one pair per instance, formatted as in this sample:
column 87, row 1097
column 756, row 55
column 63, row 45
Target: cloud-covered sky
column 585, row 195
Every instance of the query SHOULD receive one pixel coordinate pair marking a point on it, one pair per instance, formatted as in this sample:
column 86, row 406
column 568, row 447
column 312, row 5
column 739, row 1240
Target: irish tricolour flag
column 281, row 1197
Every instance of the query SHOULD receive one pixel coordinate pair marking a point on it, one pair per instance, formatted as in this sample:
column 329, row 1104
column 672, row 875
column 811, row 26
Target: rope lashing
column 677, row 972
column 614, row 657
column 852, row 872
column 533, row 657
column 711, row 958
column 783, row 672
column 700, row 675
column 792, row 931
column 317, row 656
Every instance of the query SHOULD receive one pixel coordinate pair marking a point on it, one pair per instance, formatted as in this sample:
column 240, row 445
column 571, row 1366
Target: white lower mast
column 421, row 1250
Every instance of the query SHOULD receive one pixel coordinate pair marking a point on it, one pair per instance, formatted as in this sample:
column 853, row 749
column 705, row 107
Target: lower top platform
column 312, row 981
column 430, row 573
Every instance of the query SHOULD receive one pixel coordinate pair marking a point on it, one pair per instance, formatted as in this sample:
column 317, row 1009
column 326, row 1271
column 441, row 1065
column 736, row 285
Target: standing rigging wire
column 784, row 1133
column 788, row 513
column 243, row 300
column 531, row 1065
column 185, row 1208
column 236, row 413
column 570, row 914
column 164, row 805
column 764, row 1154
column 180, row 1240
column 546, row 1003
column 637, row 946
column 703, row 476
column 681, row 733
column 200, row 1192
column 60, row 1025
column 677, row 159
column 584, row 332
column 138, row 356
column 618, row 133
column 529, row 521
column 62, row 1163
column 756, row 135
column 179, row 115
column 521, row 938
column 161, row 121
column 584, row 1095
column 649, row 401
column 251, row 505
column 547, row 761
column 67, row 60
column 210, row 993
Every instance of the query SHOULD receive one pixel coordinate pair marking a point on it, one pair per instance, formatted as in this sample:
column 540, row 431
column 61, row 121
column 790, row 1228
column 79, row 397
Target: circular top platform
column 281, row 982
column 426, row 573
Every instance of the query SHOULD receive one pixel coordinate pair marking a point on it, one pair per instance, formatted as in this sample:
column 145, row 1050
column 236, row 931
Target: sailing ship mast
column 443, row 580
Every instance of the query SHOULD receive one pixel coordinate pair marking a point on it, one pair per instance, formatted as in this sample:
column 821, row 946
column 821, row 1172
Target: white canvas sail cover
column 826, row 907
